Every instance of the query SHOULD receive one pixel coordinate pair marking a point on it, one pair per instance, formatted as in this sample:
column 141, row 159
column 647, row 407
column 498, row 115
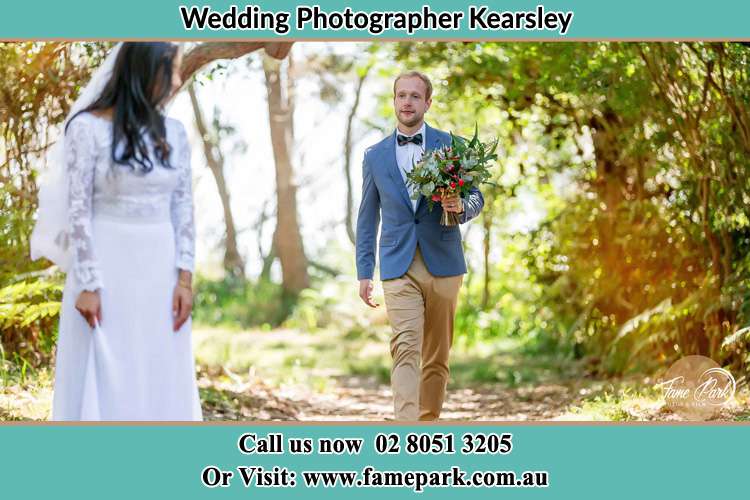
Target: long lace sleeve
column 182, row 205
column 80, row 160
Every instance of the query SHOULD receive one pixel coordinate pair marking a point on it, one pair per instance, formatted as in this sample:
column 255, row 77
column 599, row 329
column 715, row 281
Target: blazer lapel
column 390, row 159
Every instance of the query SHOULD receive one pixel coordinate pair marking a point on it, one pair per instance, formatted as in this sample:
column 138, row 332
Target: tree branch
column 206, row 53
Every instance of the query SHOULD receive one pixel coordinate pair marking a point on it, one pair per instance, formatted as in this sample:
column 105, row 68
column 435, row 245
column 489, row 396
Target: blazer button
column 416, row 221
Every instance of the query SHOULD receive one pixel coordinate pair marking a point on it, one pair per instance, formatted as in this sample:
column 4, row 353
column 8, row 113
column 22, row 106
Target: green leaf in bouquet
column 457, row 142
column 475, row 139
column 431, row 166
column 470, row 163
column 493, row 147
column 428, row 189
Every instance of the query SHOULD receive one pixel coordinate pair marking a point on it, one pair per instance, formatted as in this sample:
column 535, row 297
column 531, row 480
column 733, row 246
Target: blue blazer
column 384, row 194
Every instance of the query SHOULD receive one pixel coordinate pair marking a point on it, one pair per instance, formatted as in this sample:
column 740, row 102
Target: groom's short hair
column 415, row 74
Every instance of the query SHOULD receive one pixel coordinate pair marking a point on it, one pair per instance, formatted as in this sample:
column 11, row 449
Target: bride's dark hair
column 141, row 81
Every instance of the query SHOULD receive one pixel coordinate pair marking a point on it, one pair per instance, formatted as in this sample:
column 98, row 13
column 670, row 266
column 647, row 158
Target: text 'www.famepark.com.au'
column 369, row 477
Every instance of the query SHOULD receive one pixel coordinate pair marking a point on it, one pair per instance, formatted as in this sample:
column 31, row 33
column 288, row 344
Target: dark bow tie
column 403, row 140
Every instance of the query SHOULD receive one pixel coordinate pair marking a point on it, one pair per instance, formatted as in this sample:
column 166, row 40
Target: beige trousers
column 421, row 309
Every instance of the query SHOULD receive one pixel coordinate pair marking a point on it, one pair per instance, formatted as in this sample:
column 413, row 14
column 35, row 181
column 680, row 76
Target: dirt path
column 544, row 392
column 363, row 399
column 226, row 396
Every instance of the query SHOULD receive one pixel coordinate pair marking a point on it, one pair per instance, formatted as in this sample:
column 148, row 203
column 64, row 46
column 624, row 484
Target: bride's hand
column 182, row 300
column 90, row 306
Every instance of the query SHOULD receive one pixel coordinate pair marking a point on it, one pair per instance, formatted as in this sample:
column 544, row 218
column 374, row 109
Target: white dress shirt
column 407, row 156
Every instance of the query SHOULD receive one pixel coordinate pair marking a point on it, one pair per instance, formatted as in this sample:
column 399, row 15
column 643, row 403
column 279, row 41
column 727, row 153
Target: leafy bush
column 335, row 303
column 239, row 303
column 641, row 254
column 38, row 82
column 28, row 319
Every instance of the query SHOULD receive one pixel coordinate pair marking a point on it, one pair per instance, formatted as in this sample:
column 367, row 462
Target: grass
column 617, row 404
column 25, row 392
column 288, row 357
column 503, row 361
column 633, row 399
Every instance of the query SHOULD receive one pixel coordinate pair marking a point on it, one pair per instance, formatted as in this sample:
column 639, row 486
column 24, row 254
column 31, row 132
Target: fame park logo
column 696, row 388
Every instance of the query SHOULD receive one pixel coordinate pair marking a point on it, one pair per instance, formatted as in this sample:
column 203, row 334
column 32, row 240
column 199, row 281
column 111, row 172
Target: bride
column 124, row 348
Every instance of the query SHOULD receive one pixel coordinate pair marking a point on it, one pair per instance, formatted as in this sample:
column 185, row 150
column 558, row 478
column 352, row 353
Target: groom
column 421, row 262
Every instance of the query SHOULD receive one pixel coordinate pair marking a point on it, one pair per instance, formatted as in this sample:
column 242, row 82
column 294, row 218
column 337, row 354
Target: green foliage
column 239, row 303
column 38, row 83
column 334, row 304
column 28, row 319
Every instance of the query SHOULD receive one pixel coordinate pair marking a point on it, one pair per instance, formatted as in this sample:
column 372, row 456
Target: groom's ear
column 429, row 103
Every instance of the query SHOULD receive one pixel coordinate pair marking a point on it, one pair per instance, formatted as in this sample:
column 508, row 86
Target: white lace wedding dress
column 130, row 233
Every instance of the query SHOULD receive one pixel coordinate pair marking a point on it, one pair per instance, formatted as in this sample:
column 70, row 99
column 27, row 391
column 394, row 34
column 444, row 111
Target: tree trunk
column 349, row 222
column 233, row 263
column 487, row 225
column 270, row 257
column 287, row 237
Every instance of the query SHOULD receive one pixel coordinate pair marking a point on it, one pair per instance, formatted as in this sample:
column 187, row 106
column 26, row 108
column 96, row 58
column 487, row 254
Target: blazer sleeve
column 473, row 204
column 368, row 220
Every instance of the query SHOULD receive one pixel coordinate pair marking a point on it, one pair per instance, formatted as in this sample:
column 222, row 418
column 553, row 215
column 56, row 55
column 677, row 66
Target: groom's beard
column 409, row 122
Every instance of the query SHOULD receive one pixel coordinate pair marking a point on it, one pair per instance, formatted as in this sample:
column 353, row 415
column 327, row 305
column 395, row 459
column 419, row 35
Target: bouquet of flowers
column 452, row 170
